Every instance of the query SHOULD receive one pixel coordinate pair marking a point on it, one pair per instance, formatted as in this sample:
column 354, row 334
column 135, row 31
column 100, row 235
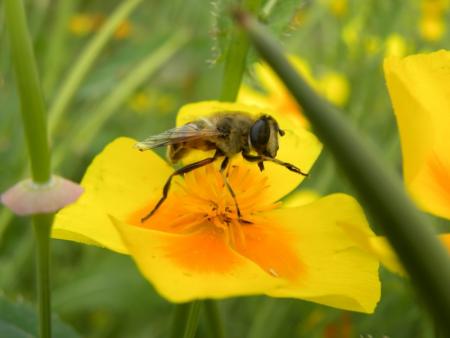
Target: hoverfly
column 228, row 133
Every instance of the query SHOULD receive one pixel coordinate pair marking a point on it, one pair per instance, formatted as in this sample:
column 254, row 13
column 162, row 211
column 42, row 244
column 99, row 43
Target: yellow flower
column 83, row 24
column 276, row 97
column 334, row 87
column 395, row 45
column 432, row 27
column 124, row 30
column 352, row 32
column 372, row 44
column 434, row 6
column 140, row 102
column 419, row 86
column 339, row 8
column 144, row 100
column 195, row 247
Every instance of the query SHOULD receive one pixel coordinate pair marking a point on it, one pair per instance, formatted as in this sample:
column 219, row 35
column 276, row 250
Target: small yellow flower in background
column 124, row 30
column 144, row 100
column 432, row 27
column 434, row 7
column 334, row 87
column 83, row 24
column 372, row 44
column 395, row 45
column 432, row 24
column 352, row 33
column 195, row 247
column 276, row 97
column 419, row 87
column 338, row 8
column 140, row 102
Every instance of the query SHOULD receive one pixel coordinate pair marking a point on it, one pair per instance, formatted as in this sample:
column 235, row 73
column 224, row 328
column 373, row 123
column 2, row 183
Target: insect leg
column 289, row 166
column 223, row 166
column 180, row 171
column 252, row 158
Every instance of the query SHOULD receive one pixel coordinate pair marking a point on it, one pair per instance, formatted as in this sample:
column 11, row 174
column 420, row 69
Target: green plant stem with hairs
column 236, row 57
column 34, row 123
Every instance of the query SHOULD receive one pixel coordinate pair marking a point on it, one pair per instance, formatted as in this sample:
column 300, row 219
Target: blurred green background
column 166, row 54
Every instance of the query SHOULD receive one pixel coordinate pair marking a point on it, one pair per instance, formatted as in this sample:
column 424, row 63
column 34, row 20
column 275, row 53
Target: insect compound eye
column 260, row 134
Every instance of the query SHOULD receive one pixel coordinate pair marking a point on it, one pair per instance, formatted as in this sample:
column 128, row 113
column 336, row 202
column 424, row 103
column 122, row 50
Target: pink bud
column 29, row 198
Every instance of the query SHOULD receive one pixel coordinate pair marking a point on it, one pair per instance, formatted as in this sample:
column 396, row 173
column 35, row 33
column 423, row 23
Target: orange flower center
column 203, row 200
column 201, row 208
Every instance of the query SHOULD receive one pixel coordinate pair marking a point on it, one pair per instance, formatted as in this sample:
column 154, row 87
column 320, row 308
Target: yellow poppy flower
column 195, row 247
column 432, row 27
column 419, row 86
column 395, row 45
column 276, row 97
column 338, row 8
column 140, row 102
column 83, row 24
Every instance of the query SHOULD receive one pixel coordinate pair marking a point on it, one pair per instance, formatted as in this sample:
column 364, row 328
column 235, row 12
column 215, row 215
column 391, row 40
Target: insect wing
column 186, row 133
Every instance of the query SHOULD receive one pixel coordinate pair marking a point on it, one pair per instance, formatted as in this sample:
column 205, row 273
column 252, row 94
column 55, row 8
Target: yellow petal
column 337, row 272
column 195, row 266
column 250, row 97
column 272, row 83
column 383, row 251
column 420, row 94
column 300, row 197
column 381, row 248
column 120, row 180
column 298, row 146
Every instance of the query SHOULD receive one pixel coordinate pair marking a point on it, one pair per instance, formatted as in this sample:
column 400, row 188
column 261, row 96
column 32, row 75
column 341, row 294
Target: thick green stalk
column 31, row 99
column 42, row 225
column 381, row 191
column 213, row 319
column 186, row 319
column 86, row 61
column 192, row 319
column 34, row 122
column 236, row 57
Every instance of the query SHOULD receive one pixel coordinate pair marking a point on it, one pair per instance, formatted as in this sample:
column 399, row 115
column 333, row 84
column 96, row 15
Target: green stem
column 381, row 191
column 31, row 99
column 213, row 319
column 42, row 225
column 34, row 122
column 186, row 319
column 236, row 57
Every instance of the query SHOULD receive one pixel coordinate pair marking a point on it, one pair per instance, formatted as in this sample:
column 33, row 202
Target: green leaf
column 19, row 320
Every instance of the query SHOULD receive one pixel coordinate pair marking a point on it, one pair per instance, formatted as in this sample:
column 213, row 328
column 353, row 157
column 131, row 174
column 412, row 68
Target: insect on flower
column 228, row 133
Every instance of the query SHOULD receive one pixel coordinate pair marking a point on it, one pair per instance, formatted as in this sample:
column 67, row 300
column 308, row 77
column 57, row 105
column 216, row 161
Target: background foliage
column 100, row 293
